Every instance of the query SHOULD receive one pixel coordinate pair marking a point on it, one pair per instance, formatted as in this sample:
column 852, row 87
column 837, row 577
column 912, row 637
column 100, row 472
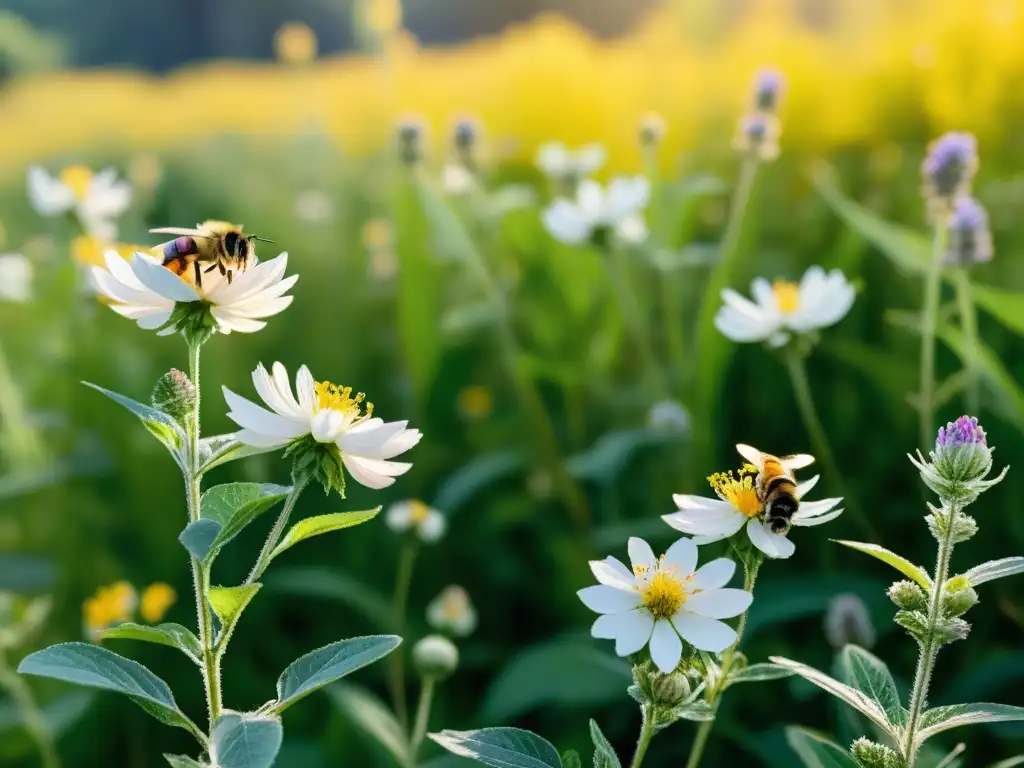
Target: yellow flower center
column 78, row 178
column 155, row 601
column 738, row 489
column 418, row 511
column 331, row 396
column 787, row 296
column 664, row 593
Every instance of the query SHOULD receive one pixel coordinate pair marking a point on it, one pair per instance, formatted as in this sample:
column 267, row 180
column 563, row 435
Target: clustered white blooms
column 739, row 504
column 451, row 611
column 561, row 163
column 146, row 292
column 15, row 277
column 663, row 601
column 412, row 514
column 95, row 199
column 596, row 210
column 781, row 308
column 330, row 415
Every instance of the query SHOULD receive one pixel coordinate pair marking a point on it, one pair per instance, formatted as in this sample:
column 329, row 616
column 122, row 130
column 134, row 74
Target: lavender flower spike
column 767, row 90
column 949, row 166
column 969, row 238
column 964, row 431
column 959, row 464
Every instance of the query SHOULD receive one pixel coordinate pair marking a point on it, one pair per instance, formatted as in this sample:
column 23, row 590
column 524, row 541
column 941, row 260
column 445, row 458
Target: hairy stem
column 929, row 314
column 31, row 716
column 200, row 577
column 646, row 734
column 929, row 646
column 419, row 731
column 277, row 531
column 819, row 438
column 969, row 327
column 396, row 661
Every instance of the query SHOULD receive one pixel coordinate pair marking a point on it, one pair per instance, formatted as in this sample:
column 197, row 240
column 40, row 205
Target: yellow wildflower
column 156, row 600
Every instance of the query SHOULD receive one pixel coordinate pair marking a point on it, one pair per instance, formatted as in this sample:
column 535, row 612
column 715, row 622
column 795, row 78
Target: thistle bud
column 908, row 596
column 435, row 657
column 949, row 168
column 959, row 463
column 652, row 129
column 868, row 754
column 767, row 90
column 958, row 597
column 847, row 621
column 969, row 240
column 950, row 630
column 174, row 394
column 410, row 141
column 758, row 135
column 915, row 622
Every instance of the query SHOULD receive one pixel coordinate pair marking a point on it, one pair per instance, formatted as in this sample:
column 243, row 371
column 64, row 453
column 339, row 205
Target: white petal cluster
column 663, row 601
column 559, row 162
column 15, row 277
column 144, row 291
column 429, row 524
column 331, row 415
column 95, row 199
column 619, row 208
column 780, row 309
column 451, row 611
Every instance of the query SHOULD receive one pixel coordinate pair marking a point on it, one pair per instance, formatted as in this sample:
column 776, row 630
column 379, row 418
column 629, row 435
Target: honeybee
column 775, row 484
column 212, row 244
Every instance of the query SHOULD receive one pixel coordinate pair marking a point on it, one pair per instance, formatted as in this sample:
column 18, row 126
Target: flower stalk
column 646, row 734
column 300, row 480
column 419, row 730
column 396, row 662
column 929, row 318
column 969, row 327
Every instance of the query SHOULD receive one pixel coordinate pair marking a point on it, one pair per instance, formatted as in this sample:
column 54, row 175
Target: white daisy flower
column 456, row 179
column 430, row 524
column 96, row 199
column 560, row 162
column 739, row 504
column 144, row 291
column 330, row 415
column 451, row 611
column 664, row 601
column 782, row 308
column 15, row 277
column 619, row 208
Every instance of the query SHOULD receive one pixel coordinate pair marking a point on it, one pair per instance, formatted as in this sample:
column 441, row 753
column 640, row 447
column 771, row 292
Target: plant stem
column 403, row 580
column 277, row 531
column 200, row 576
column 646, row 734
column 750, row 571
column 419, row 731
column 819, row 439
column 929, row 314
column 929, row 647
column 969, row 327
column 31, row 716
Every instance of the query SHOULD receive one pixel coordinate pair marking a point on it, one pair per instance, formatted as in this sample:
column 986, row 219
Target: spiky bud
column 868, row 754
column 175, row 395
column 959, row 463
column 958, row 597
column 908, row 596
column 915, row 622
column 950, row 630
column 941, row 520
column 435, row 657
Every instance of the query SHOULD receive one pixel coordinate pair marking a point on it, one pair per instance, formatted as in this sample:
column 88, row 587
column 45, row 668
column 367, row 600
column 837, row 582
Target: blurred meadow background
column 542, row 443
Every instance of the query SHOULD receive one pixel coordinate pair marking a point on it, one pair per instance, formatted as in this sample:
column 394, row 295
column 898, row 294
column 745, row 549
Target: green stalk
column 929, row 647
column 31, row 716
column 646, row 734
column 200, row 576
column 419, row 731
column 969, row 326
column 403, row 581
column 277, row 531
column 929, row 315
column 819, row 438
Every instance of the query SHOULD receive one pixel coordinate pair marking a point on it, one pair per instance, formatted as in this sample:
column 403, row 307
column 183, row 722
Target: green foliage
column 372, row 716
column 758, row 673
column 604, row 755
column 245, row 741
column 501, row 747
column 163, row 427
column 173, row 635
column 816, row 751
column 869, row 675
column 321, row 524
column 229, row 602
column 901, row 564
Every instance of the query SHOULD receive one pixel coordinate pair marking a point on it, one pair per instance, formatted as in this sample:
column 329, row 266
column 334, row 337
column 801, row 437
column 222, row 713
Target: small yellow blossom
column 111, row 605
column 156, row 600
column 476, row 402
column 295, row 43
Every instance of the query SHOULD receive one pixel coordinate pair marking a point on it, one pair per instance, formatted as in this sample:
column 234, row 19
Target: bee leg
column 229, row 276
column 210, row 268
column 199, row 274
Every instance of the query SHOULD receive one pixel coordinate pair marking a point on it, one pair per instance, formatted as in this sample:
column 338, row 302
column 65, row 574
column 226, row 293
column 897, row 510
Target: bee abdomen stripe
column 778, row 482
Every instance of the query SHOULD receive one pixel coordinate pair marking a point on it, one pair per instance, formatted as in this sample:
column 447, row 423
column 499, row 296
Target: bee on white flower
column 148, row 293
column 781, row 309
column 451, row 611
column 597, row 211
column 663, row 601
column 562, row 164
column 15, row 277
column 428, row 522
column 332, row 417
column 95, row 199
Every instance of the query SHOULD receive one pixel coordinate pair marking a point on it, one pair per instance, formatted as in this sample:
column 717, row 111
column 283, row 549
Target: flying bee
column 211, row 245
column 775, row 484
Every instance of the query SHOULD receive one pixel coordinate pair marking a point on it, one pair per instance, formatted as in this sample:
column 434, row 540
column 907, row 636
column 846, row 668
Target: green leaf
column 757, row 673
column 501, row 747
column 901, row 564
column 224, row 502
column 816, row 751
column 994, row 569
column 96, row 667
column 869, row 675
column 604, row 755
column 229, row 602
column 332, row 662
column 571, row 759
column 697, row 711
column 1010, row 762
column 939, row 719
column 174, row 635
column 333, row 584
column 245, row 741
column 182, row 761
column 372, row 717
column 1007, row 396
column 161, row 425
column 851, row 696
column 611, row 453
column 220, row 449
column 561, row 672
column 1005, row 306
column 198, row 537
column 479, row 473
column 316, row 526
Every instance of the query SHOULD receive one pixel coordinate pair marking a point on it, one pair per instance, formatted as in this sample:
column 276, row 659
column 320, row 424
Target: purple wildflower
column 970, row 240
column 758, row 134
column 767, row 90
column 963, row 431
column 950, row 164
column 958, row 466
column 465, row 133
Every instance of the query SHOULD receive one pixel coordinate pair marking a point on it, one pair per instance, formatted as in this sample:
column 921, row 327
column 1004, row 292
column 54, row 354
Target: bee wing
column 179, row 231
column 751, row 454
column 797, row 461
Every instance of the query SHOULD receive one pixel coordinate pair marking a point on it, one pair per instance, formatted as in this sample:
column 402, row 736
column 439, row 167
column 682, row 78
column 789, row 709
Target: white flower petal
column 806, row 522
column 326, row 425
column 604, row 599
column 715, row 574
column 613, row 573
column 666, row 647
column 634, row 632
column 259, row 440
column 707, row 522
column 399, row 516
column 802, row 489
column 719, row 603
column 590, row 201
column 640, row 554
column 772, row 544
column 374, row 473
column 433, row 527
column 162, row 281
column 565, row 222
column 589, row 159
column 809, row 509
column 682, row 555
column 626, row 196
column 686, row 501
column 703, row 633
column 49, row 196
column 248, row 415
column 227, row 322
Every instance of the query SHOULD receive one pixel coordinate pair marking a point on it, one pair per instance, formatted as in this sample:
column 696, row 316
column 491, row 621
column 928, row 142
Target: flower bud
column 950, row 630
column 941, row 520
column 915, row 622
column 767, row 90
column 410, row 141
column 652, row 129
column 669, row 690
column 969, row 240
column 949, row 168
column 908, row 596
column 465, row 140
column 959, row 463
column 435, row 657
column 868, row 754
column 958, row 597
column 175, row 395
column 758, row 135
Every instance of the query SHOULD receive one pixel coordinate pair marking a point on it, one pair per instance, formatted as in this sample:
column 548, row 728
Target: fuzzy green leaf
column 182, row 761
column 229, row 602
column 501, row 747
column 315, row 526
column 198, row 537
column 604, row 755
column 994, row 569
column 245, row 741
column 162, row 426
column 901, row 564
column 571, row 759
column 869, row 675
column 173, row 635
column 234, row 506
column 332, row 662
column 816, row 751
column 220, row 449
column 1005, row 306
column 757, row 673
column 939, row 719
